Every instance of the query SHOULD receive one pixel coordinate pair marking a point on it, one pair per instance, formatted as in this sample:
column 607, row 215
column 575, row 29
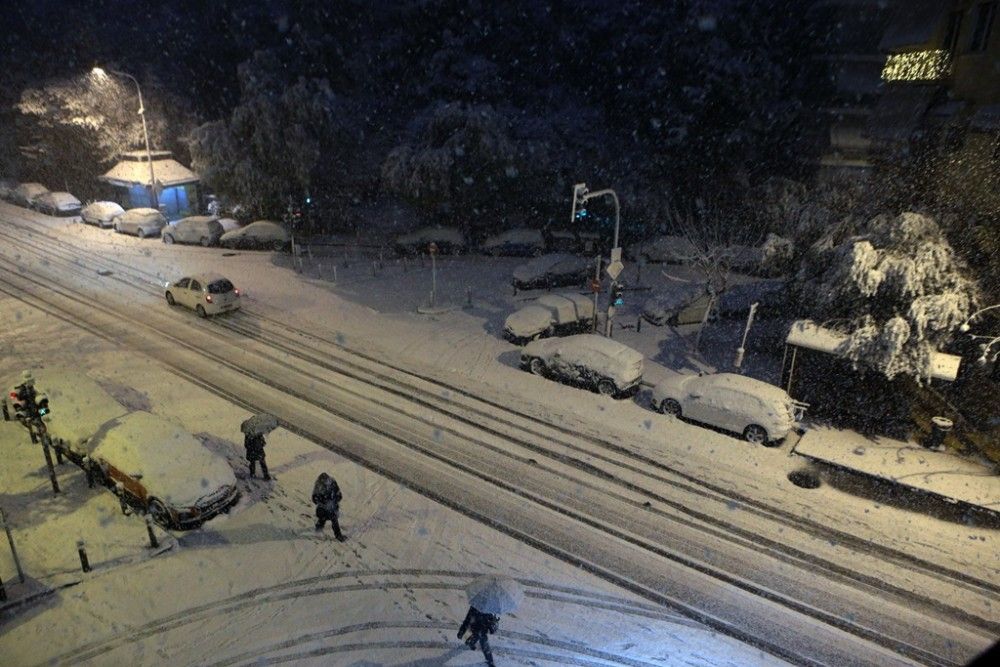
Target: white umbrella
column 493, row 594
column 259, row 423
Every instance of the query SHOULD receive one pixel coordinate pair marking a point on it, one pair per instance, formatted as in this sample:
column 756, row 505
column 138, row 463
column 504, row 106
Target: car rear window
column 220, row 287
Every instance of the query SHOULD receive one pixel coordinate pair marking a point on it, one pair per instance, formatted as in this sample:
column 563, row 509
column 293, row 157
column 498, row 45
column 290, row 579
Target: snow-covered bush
column 777, row 254
column 896, row 288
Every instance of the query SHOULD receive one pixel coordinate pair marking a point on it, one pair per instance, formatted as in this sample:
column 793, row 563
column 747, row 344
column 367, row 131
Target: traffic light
column 617, row 297
column 20, row 400
column 42, row 405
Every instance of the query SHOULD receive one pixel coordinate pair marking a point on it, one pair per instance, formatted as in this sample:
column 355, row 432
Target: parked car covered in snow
column 101, row 213
column 668, row 249
column 204, row 293
column 143, row 222
column 549, row 315
column 262, row 234
column 553, row 270
column 202, row 229
column 163, row 470
column 25, row 193
column 449, row 241
column 759, row 411
column 570, row 240
column 602, row 364
column 516, row 242
column 56, row 203
column 684, row 303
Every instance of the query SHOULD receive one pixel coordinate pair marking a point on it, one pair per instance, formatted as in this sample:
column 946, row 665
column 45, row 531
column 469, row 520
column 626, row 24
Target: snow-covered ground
column 372, row 306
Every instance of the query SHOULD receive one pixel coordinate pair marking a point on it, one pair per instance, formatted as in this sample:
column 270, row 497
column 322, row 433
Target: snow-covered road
column 732, row 560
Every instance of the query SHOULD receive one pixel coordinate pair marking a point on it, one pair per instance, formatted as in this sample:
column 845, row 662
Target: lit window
column 916, row 66
column 985, row 13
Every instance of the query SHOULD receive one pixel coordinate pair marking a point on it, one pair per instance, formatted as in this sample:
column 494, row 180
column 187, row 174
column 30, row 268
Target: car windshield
column 220, row 287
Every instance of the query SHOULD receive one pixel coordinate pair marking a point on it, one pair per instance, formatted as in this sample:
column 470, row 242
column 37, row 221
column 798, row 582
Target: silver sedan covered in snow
column 142, row 222
column 101, row 213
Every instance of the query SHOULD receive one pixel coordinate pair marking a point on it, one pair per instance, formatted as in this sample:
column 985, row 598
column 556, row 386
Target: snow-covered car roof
column 582, row 344
column 427, row 234
column 79, row 406
column 61, row 200
column 528, row 321
column 260, row 229
column 141, row 215
column 174, row 465
column 567, row 307
column 550, row 263
column 747, row 385
column 102, row 209
column 522, row 236
column 204, row 278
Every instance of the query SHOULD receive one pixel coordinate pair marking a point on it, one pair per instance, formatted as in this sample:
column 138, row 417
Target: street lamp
column 580, row 197
column 99, row 73
column 990, row 340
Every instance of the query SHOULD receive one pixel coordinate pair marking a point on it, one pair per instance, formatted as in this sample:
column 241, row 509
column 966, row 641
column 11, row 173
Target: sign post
column 432, row 249
column 614, row 270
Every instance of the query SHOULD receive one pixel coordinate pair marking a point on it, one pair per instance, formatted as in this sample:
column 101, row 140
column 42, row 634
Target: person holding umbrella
column 489, row 596
column 254, row 429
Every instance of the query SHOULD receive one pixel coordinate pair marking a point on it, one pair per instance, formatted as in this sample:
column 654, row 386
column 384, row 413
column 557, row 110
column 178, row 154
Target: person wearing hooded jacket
column 254, row 444
column 479, row 625
column 326, row 494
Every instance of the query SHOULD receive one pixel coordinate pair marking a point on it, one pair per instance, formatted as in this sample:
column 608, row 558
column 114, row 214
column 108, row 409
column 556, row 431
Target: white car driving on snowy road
column 759, row 411
column 204, row 293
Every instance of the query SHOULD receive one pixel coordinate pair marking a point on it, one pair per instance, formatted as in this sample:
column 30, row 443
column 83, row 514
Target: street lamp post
column 580, row 196
column 97, row 71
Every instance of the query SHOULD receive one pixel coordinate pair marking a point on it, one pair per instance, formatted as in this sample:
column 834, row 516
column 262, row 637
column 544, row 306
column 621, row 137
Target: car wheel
column 168, row 239
column 118, row 229
column 159, row 512
column 205, row 241
column 170, row 299
column 606, row 388
column 756, row 434
column 201, row 311
column 140, row 233
column 536, row 366
column 670, row 407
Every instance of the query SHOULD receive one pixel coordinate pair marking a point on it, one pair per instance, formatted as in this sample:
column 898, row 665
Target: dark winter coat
column 254, row 444
column 326, row 494
column 479, row 623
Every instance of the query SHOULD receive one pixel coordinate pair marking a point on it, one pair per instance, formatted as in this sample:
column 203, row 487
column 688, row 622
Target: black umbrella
column 259, row 424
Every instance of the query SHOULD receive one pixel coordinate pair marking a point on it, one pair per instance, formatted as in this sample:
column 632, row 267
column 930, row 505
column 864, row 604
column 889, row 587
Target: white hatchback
column 205, row 293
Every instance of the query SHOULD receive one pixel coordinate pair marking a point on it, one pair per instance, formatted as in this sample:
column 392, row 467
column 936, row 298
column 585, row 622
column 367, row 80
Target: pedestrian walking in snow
column 480, row 625
column 326, row 495
column 254, row 444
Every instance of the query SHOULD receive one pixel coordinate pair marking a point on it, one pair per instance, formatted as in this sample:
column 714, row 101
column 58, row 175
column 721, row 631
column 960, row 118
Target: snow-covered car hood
column 30, row 190
column 541, row 266
column 175, row 467
column 79, row 406
column 264, row 230
column 102, row 210
column 528, row 321
column 673, row 386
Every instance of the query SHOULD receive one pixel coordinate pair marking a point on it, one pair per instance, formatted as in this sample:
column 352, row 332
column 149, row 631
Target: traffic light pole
column 48, row 456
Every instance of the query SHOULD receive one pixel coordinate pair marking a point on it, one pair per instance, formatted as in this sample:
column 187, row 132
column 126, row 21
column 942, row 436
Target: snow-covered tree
column 894, row 285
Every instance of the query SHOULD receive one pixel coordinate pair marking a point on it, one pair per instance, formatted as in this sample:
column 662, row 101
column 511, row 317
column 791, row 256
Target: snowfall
column 259, row 585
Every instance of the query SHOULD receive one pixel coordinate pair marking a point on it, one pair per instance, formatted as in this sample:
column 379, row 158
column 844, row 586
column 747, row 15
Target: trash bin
column 940, row 427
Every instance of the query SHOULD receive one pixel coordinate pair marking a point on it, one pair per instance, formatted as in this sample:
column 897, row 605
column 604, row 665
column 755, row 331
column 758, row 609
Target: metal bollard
column 81, row 549
column 153, row 543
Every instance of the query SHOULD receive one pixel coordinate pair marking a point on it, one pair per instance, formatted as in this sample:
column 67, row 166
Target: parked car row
column 759, row 412
column 519, row 242
column 38, row 197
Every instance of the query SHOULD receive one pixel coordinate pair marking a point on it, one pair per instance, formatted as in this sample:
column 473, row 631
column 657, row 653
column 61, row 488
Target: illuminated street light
column 100, row 75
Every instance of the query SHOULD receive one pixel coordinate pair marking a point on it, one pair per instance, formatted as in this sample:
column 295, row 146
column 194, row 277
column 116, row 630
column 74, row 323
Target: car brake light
column 208, row 297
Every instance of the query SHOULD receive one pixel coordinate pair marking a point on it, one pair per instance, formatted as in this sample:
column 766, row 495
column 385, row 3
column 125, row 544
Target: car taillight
column 208, row 297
